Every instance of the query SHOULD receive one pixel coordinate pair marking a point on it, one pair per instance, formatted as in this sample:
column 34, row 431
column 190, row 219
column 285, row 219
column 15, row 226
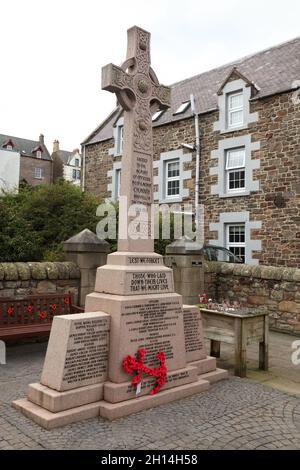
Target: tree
column 36, row 221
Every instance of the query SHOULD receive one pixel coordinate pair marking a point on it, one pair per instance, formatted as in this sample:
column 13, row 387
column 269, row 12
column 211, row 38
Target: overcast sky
column 52, row 52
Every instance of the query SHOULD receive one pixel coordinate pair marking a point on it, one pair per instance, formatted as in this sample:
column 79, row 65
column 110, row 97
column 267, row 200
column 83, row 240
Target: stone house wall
column 272, row 211
column 274, row 289
column 27, row 166
column 22, row 279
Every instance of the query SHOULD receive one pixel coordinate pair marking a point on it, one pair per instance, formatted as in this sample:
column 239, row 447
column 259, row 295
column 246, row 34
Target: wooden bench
column 33, row 315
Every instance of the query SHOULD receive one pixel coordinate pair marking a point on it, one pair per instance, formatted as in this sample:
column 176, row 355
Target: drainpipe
column 197, row 148
column 83, row 168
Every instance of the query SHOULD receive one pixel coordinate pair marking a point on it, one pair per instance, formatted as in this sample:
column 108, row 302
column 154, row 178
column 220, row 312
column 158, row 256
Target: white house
column 9, row 170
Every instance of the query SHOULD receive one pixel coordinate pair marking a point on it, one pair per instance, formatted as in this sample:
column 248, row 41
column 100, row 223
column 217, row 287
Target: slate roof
column 65, row 156
column 273, row 71
column 25, row 146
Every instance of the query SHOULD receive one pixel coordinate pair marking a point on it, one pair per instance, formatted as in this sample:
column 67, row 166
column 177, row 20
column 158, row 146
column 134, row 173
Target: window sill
column 234, row 129
column 237, row 194
column 170, row 200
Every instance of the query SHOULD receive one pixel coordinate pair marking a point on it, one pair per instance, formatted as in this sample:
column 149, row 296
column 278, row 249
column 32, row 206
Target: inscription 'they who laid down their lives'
column 150, row 282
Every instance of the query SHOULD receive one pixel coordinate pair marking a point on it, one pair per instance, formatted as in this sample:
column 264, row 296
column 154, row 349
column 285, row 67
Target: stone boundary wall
column 22, row 279
column 275, row 289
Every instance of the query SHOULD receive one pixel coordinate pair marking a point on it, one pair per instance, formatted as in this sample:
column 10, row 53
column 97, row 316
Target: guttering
column 83, row 168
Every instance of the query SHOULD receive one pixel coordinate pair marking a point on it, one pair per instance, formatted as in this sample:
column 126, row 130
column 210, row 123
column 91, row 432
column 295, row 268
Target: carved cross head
column 135, row 82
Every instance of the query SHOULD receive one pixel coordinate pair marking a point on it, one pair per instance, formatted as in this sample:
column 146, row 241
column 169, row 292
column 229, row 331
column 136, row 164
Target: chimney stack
column 41, row 139
column 56, row 146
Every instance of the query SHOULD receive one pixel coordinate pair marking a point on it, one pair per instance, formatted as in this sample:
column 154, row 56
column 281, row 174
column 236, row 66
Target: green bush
column 36, row 221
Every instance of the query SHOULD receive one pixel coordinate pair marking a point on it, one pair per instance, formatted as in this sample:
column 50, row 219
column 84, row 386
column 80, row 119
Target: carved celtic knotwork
column 142, row 127
column 121, row 79
column 162, row 94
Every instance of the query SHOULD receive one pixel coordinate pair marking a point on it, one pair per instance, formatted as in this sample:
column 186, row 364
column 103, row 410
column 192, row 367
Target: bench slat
column 23, row 323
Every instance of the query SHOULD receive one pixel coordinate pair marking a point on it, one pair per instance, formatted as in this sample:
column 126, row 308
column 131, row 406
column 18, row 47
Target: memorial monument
column 134, row 298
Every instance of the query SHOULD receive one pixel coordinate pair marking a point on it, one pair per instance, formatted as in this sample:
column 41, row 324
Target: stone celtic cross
column 138, row 91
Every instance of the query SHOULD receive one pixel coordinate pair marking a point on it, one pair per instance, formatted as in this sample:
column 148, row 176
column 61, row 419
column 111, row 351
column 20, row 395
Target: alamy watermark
column 155, row 221
column 296, row 354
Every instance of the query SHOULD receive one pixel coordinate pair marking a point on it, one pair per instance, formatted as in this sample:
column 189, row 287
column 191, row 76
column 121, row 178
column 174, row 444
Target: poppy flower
column 10, row 311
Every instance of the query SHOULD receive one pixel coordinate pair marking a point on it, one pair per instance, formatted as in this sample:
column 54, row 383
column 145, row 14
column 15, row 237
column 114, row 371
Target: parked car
column 219, row 253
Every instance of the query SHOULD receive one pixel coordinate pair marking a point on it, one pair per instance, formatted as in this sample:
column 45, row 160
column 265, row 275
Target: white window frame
column 232, row 110
column 120, row 139
column 9, row 147
column 118, row 183
column 230, row 244
column 234, row 169
column 38, row 154
column 76, row 174
column 171, row 178
column 38, row 173
column 77, row 162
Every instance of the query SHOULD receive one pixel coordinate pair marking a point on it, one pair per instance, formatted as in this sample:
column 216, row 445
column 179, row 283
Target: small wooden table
column 239, row 328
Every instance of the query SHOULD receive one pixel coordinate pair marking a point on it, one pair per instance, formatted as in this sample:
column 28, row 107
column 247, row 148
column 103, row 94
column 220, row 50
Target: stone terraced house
column 35, row 163
column 248, row 151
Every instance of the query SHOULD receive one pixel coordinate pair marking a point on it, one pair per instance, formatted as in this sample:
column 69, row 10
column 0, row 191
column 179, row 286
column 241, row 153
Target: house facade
column 247, row 115
column 35, row 164
column 66, row 164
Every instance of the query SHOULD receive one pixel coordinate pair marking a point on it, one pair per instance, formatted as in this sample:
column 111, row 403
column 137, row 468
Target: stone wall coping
column 261, row 272
column 39, row 271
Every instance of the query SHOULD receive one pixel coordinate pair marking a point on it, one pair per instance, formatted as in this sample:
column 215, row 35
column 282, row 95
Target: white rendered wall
column 9, row 170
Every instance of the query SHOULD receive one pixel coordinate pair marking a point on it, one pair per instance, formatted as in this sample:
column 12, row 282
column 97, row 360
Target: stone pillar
column 186, row 260
column 88, row 252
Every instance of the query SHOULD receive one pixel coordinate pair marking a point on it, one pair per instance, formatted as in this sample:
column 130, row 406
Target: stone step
column 113, row 411
column 49, row 420
column 208, row 364
column 55, row 401
column 116, row 392
column 215, row 376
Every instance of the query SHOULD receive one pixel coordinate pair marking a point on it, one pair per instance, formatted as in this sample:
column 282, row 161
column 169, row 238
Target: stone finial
column 86, row 241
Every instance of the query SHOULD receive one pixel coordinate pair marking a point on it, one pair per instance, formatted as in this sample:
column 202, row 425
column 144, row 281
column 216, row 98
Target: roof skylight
column 183, row 107
column 157, row 115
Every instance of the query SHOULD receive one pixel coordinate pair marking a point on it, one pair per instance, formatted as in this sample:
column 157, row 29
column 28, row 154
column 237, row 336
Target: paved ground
column 282, row 374
column 234, row 414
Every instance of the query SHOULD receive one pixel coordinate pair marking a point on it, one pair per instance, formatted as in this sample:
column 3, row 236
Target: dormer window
column 76, row 161
column 183, row 107
column 234, row 103
column 38, row 154
column 8, row 145
column 235, row 109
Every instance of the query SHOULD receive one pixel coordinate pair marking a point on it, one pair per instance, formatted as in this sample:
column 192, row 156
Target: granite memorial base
column 79, row 351
column 74, row 372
